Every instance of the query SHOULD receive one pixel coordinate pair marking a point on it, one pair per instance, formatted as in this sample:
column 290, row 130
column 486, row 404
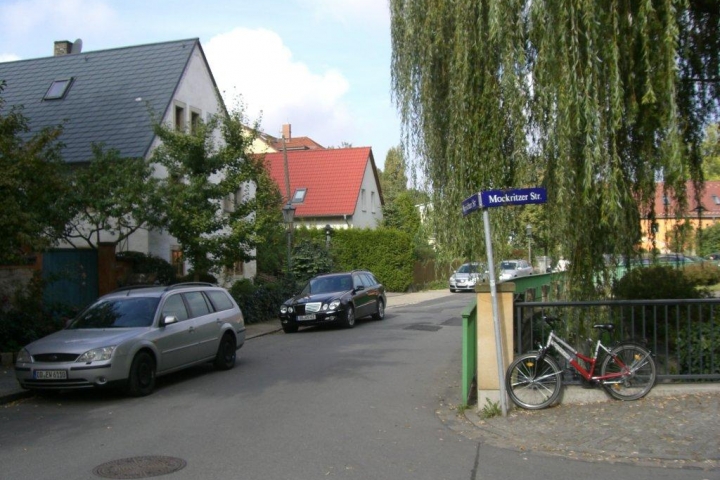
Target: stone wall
column 14, row 278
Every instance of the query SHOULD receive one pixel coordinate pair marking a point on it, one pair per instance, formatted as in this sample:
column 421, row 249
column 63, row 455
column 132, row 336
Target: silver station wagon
column 129, row 337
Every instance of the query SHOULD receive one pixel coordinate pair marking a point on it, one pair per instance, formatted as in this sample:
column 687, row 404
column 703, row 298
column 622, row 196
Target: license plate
column 50, row 375
column 305, row 317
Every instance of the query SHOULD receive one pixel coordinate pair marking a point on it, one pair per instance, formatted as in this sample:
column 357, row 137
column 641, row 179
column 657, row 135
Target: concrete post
column 488, row 383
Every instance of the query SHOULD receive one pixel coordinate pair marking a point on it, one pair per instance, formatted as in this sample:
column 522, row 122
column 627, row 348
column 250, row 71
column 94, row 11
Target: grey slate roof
column 110, row 99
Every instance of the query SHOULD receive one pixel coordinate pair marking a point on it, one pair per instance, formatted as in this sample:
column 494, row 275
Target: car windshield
column 467, row 268
column 338, row 283
column 508, row 266
column 118, row 313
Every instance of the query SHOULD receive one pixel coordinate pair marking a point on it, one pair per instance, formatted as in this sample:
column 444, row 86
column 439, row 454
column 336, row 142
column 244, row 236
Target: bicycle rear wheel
column 637, row 368
column 534, row 384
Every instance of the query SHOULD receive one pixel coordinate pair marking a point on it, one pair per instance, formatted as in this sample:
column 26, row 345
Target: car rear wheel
column 141, row 381
column 380, row 314
column 350, row 317
column 226, row 354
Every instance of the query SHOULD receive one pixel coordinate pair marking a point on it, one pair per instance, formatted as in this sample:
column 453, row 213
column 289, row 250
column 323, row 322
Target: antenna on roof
column 76, row 46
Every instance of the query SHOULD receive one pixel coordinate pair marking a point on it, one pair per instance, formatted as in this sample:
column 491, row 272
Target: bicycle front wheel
column 534, row 384
column 634, row 370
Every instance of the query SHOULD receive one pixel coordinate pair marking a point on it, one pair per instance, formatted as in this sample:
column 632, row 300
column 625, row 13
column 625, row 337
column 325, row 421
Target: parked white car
column 510, row 269
column 467, row 276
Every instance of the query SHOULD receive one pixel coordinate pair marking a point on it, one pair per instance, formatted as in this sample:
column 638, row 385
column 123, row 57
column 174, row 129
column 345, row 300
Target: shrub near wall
column 387, row 253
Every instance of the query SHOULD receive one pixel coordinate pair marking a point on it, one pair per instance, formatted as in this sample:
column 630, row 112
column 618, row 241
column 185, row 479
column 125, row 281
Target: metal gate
column 71, row 276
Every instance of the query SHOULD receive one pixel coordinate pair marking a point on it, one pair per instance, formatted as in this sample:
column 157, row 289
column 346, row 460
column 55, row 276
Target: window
column 363, row 200
column 372, row 202
column 299, row 196
column 194, row 120
column 175, row 307
column 58, row 89
column 716, row 199
column 179, row 117
column 176, row 259
column 220, row 300
column 197, row 303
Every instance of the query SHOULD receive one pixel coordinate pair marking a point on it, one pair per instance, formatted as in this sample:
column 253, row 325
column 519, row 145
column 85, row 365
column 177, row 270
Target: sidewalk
column 675, row 426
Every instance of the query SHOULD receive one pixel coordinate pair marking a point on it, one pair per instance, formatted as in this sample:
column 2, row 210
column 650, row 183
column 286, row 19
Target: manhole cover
column 424, row 327
column 140, row 467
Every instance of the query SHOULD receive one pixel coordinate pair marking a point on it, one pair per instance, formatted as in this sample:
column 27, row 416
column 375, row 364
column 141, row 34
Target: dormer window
column 58, row 89
column 716, row 199
column 299, row 196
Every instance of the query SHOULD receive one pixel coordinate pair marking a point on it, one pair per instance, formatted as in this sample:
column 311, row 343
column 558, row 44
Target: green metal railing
column 469, row 349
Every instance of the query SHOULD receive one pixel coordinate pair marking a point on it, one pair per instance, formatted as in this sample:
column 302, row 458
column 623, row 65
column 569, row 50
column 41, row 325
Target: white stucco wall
column 369, row 214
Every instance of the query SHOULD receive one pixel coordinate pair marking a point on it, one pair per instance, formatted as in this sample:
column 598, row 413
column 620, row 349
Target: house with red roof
column 329, row 186
column 267, row 143
column 668, row 217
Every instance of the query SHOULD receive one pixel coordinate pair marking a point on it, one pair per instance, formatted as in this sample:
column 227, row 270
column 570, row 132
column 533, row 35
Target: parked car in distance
column 129, row 337
column 510, row 269
column 335, row 298
column 467, row 276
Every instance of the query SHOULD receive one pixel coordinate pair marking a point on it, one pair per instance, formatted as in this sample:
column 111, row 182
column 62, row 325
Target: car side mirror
column 169, row 320
column 359, row 288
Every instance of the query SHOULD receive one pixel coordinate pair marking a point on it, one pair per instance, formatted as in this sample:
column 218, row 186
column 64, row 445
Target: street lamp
column 699, row 209
column 328, row 232
column 288, row 212
column 528, row 232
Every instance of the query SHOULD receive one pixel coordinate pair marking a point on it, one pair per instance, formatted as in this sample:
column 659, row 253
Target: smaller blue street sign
column 471, row 204
column 519, row 196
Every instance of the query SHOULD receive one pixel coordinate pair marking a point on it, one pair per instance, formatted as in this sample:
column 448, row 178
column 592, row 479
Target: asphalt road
column 373, row 402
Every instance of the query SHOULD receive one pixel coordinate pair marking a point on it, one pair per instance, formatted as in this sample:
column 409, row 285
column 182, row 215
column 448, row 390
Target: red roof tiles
column 332, row 178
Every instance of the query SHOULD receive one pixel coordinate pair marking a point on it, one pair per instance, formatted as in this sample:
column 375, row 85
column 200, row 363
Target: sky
column 322, row 66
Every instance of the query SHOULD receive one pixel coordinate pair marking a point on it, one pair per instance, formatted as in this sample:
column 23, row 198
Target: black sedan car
column 335, row 298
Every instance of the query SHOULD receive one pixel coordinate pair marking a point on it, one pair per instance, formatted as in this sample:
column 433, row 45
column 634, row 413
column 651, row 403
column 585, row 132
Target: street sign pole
column 496, row 312
column 499, row 198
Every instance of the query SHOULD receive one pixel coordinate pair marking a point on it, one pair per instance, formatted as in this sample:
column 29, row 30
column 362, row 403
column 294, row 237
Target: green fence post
column 469, row 350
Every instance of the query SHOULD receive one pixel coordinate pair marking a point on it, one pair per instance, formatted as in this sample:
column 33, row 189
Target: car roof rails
column 189, row 284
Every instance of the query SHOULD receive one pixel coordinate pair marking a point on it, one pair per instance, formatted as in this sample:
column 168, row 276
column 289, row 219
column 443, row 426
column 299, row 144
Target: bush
column 699, row 349
column 142, row 269
column 705, row 274
column 259, row 301
column 657, row 282
column 24, row 318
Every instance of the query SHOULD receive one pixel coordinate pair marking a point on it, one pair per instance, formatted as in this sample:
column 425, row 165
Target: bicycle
column 534, row 379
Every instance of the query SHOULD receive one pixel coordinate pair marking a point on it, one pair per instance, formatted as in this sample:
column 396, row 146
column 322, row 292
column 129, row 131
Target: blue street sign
column 519, row 196
column 471, row 204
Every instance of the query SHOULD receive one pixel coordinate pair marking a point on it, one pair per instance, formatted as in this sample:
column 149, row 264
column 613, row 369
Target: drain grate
column 140, row 467
column 425, row 327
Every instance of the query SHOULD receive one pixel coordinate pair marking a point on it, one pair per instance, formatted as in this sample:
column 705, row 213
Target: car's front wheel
column 141, row 381
column 226, row 354
column 349, row 317
column 290, row 328
column 380, row 314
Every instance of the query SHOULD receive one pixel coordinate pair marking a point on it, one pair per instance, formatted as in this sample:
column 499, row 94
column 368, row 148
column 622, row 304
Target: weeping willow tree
column 593, row 100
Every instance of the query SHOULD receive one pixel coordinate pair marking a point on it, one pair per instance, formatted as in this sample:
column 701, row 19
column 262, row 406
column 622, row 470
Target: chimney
column 286, row 132
column 63, row 47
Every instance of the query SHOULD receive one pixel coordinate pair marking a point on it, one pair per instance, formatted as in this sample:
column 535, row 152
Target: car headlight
column 24, row 357
column 283, row 309
column 334, row 305
column 96, row 355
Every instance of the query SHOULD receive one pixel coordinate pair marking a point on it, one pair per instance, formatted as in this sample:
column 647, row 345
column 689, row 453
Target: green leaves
column 204, row 201
column 590, row 99
column 33, row 186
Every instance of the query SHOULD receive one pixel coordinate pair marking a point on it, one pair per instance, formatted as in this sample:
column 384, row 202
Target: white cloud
column 8, row 57
column 258, row 67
